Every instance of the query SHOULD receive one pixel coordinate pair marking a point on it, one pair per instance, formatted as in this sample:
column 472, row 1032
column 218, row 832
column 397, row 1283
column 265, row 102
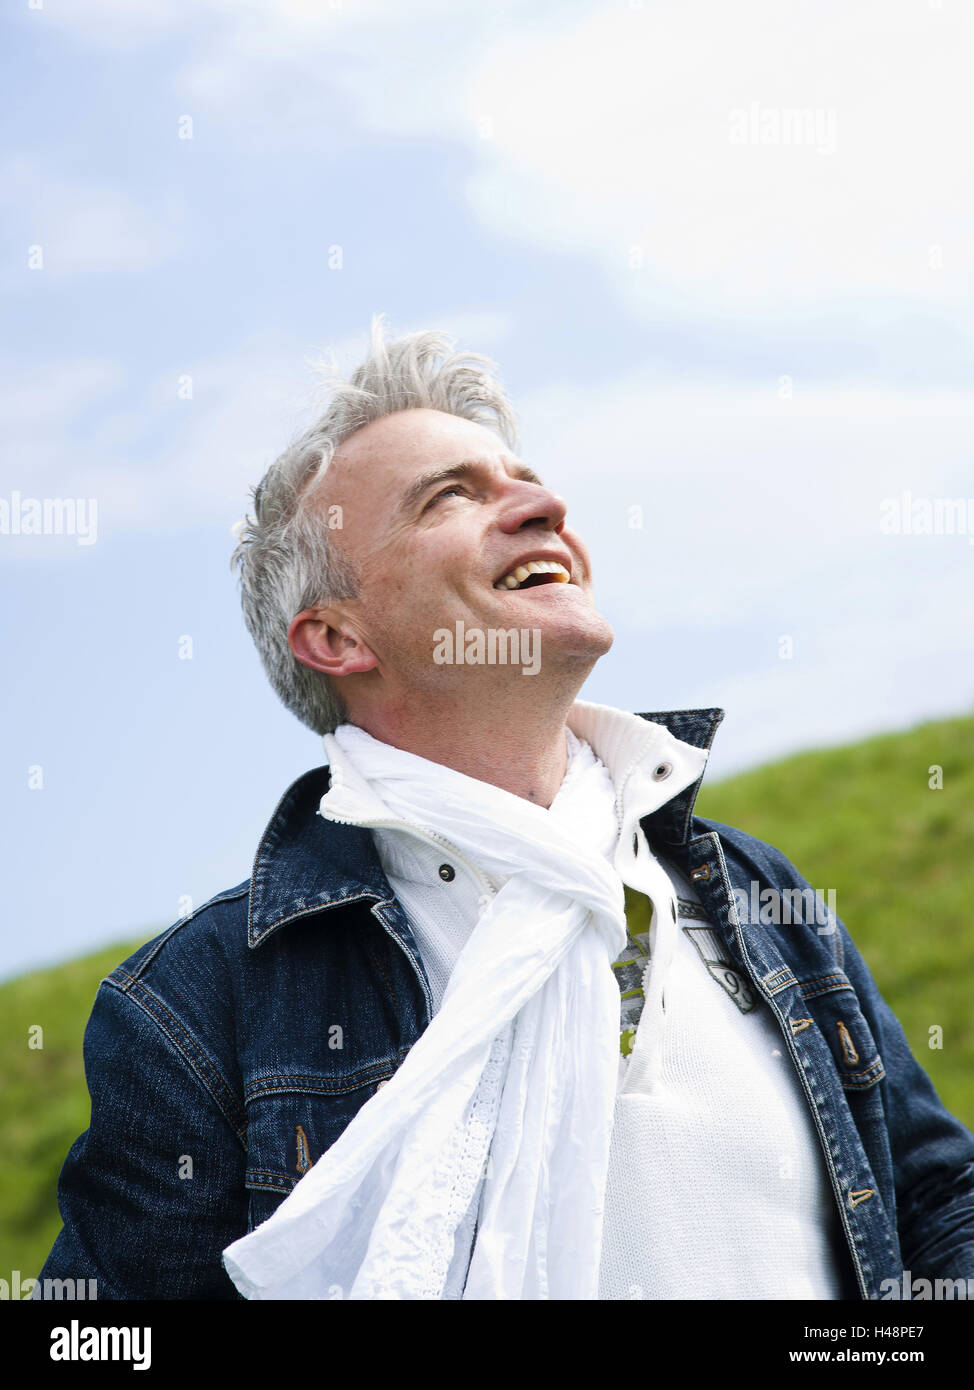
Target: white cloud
column 668, row 134
column 473, row 330
column 118, row 24
column 614, row 132
column 30, row 397
column 620, row 134
column 83, row 226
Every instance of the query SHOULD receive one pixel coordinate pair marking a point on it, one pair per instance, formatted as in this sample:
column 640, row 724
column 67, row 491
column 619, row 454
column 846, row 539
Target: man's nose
column 533, row 505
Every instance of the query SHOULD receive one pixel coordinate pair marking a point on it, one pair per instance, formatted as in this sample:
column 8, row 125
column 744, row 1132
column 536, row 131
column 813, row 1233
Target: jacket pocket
column 834, row 1005
column 289, row 1127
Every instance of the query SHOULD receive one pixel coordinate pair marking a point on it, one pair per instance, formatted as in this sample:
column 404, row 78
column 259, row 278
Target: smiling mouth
column 533, row 574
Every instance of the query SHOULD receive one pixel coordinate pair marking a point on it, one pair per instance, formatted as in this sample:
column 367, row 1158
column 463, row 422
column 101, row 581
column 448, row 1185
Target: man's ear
column 323, row 639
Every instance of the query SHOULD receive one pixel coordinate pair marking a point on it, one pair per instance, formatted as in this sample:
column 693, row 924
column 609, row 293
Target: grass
column 45, row 1102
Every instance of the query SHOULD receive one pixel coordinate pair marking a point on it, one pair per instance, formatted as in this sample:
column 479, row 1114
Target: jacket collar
column 306, row 864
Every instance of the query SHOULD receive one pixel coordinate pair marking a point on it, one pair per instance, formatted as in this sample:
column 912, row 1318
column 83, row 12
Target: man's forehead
column 399, row 449
column 406, row 433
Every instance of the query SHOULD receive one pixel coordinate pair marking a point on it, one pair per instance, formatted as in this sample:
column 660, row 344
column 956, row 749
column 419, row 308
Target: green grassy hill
column 860, row 819
column 44, row 1103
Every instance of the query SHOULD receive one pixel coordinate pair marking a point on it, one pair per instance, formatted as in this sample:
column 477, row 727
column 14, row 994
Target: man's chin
column 567, row 621
column 582, row 639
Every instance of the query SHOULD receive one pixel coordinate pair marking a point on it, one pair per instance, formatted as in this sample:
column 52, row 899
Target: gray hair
column 285, row 559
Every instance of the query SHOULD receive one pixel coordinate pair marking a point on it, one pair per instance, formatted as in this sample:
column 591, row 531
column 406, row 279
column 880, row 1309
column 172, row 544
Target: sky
column 721, row 254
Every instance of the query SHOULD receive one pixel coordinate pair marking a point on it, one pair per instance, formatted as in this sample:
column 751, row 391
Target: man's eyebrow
column 427, row 481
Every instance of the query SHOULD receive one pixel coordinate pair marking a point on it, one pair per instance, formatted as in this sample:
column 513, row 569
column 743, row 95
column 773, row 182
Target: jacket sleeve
column 153, row 1190
column 932, row 1151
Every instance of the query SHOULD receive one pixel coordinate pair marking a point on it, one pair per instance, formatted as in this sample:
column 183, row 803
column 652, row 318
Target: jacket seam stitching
column 310, row 911
column 775, row 986
column 380, row 971
column 270, row 833
column 197, row 1069
column 868, row 1076
column 270, row 1176
column 272, row 1084
column 828, row 984
column 230, row 895
column 271, row 836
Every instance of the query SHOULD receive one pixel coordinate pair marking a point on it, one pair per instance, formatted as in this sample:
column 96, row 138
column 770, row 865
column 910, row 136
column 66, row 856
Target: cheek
column 385, row 575
column 410, row 582
column 402, row 598
column 581, row 552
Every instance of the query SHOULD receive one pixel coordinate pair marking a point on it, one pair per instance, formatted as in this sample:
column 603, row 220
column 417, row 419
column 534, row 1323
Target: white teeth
column 518, row 575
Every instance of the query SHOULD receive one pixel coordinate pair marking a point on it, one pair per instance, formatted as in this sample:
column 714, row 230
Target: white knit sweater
column 717, row 1187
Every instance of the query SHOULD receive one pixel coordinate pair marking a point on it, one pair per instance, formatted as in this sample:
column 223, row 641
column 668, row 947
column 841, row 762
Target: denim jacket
column 225, row 1056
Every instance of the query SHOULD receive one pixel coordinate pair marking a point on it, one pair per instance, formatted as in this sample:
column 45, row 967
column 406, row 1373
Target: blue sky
column 721, row 253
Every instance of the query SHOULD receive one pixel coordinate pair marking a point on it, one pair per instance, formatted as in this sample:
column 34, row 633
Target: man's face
column 436, row 516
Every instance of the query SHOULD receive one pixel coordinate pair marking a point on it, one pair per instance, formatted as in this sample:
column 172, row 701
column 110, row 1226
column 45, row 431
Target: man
column 491, row 1018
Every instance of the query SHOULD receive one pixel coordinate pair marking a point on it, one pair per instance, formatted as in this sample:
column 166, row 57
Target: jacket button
column 662, row 770
column 447, row 873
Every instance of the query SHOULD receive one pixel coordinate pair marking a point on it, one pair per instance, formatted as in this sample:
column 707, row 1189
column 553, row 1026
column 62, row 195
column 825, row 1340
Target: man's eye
column 454, row 487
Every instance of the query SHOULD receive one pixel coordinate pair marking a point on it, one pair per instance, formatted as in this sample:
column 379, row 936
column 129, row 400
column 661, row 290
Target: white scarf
column 521, row 1061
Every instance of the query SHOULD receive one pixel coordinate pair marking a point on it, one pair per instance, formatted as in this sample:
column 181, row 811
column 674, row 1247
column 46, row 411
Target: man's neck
column 527, row 759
